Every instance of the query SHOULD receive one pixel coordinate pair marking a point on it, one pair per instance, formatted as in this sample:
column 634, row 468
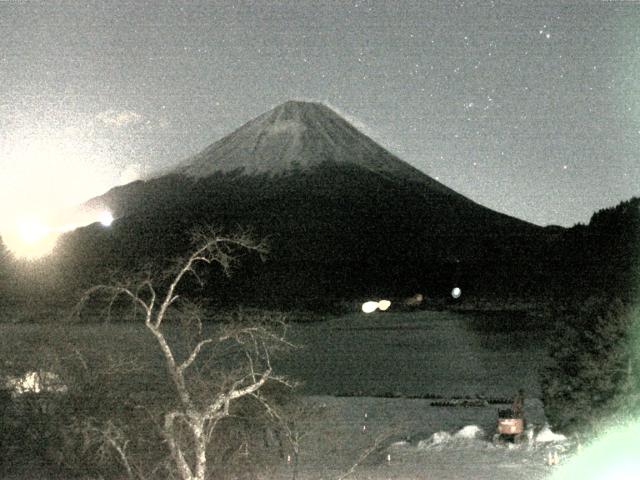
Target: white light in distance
column 369, row 307
column 383, row 305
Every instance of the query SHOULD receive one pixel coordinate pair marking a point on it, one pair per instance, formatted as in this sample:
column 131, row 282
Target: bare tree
column 189, row 425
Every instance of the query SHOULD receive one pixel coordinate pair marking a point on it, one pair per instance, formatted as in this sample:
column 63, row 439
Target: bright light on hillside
column 456, row 292
column 45, row 171
column 106, row 219
column 32, row 238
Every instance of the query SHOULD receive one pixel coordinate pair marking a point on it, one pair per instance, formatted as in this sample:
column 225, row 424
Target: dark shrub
column 594, row 371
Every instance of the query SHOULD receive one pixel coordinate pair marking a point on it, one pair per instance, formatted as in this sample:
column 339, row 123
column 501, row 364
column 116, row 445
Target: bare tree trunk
column 172, row 369
column 176, row 451
column 295, row 463
column 200, row 445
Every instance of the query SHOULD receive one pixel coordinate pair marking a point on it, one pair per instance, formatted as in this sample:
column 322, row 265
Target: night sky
column 531, row 108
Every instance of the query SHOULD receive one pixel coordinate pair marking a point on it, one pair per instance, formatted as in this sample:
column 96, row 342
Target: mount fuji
column 345, row 218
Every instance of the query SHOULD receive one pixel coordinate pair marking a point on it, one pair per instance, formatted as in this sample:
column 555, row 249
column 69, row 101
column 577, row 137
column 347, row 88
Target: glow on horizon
column 31, row 230
column 47, row 172
column 32, row 238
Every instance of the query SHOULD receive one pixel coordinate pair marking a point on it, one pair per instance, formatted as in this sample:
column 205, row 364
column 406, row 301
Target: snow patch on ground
column 422, row 442
column 35, row 382
column 437, row 438
column 545, row 435
column 471, row 432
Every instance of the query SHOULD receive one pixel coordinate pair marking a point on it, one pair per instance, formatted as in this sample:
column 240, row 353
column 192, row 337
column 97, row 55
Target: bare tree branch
column 112, row 436
column 199, row 414
column 194, row 354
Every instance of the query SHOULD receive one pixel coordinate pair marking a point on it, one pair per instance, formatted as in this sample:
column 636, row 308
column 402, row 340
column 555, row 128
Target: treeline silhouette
column 601, row 259
column 594, row 372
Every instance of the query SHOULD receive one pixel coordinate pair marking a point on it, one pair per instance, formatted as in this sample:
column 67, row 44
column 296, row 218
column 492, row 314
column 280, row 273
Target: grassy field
column 419, row 354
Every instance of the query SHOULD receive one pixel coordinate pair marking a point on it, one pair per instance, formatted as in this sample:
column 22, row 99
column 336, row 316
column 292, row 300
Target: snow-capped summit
column 299, row 135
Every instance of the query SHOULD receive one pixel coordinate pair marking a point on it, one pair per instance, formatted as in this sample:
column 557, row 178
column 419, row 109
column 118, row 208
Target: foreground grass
column 403, row 353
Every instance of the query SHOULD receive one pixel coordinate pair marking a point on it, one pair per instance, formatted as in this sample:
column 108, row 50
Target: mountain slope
column 299, row 135
column 345, row 218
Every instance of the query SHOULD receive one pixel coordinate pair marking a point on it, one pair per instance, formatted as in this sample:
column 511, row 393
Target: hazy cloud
column 119, row 118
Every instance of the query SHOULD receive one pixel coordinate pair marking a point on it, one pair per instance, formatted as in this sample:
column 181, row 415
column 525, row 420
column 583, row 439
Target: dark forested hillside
column 601, row 258
column 336, row 231
column 594, row 373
